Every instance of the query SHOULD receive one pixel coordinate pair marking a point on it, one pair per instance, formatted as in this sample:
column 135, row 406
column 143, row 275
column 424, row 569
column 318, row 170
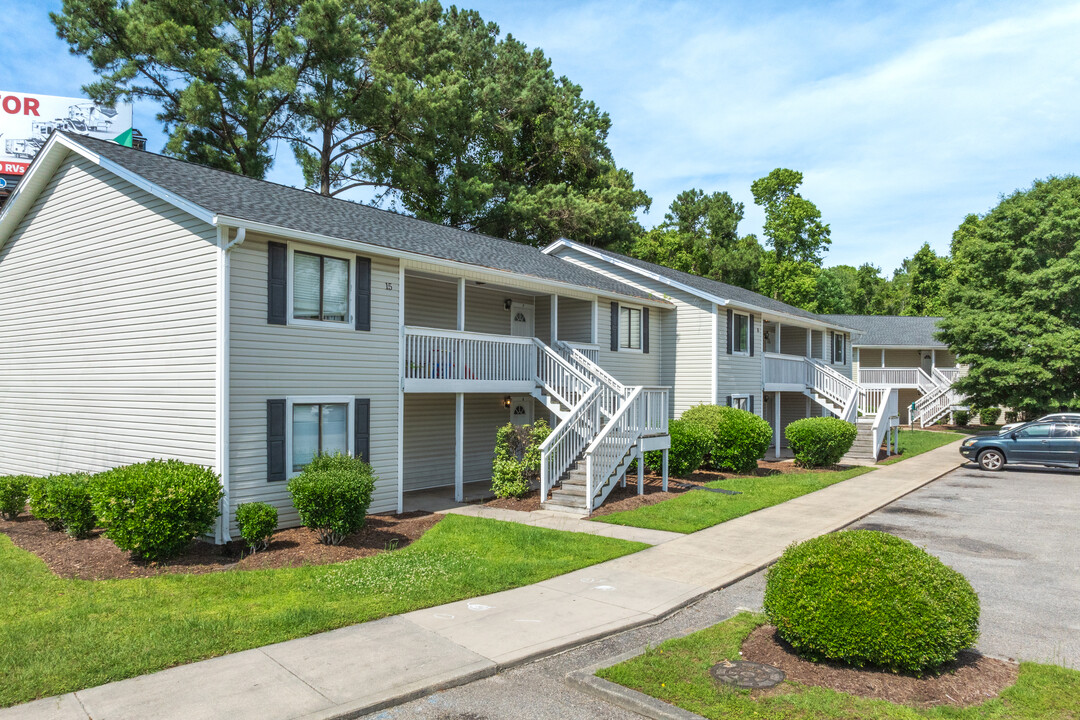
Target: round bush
column 154, row 509
column 863, row 597
column 989, row 416
column 13, row 493
column 737, row 439
column 820, row 441
column 508, row 480
column 69, row 495
column 257, row 521
column 332, row 495
column 961, row 418
column 41, row 502
column 689, row 442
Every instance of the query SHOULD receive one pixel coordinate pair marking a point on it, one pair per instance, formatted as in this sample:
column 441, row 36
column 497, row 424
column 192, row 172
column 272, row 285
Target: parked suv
column 1035, row 443
column 1054, row 417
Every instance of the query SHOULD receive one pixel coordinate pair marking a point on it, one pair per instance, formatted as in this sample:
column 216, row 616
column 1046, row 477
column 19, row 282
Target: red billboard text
column 15, row 105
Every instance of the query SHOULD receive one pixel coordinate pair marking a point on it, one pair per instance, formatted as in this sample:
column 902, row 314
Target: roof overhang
column 554, row 247
column 58, row 146
column 898, row 347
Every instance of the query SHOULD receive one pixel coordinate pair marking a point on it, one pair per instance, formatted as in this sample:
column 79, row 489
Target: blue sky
column 904, row 117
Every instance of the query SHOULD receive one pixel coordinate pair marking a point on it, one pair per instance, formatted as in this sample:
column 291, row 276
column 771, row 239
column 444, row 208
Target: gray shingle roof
column 891, row 330
column 245, row 198
column 714, row 287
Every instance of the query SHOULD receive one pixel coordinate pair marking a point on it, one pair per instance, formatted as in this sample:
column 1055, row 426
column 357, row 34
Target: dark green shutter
column 363, row 293
column 729, row 401
column 614, row 327
column 275, row 440
column 751, row 404
column 277, row 283
column 750, row 332
column 362, row 430
column 645, row 330
column 730, row 327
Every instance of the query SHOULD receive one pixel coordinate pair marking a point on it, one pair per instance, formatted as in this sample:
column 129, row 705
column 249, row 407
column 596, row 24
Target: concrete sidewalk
column 359, row 669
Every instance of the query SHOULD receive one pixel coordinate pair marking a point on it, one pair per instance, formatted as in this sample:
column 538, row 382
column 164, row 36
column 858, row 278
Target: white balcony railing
column 784, row 369
column 589, row 350
column 467, row 357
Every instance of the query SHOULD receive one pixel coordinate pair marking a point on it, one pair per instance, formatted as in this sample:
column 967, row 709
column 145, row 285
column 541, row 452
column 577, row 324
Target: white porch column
column 776, row 422
column 882, row 357
column 554, row 318
column 779, row 347
column 664, row 454
column 809, row 335
column 640, row 472
column 459, row 447
column 594, row 338
column 715, row 365
column 461, row 303
column 933, row 360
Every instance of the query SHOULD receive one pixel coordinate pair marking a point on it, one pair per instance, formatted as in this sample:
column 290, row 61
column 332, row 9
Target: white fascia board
column 362, row 247
column 898, row 347
column 553, row 248
column 47, row 160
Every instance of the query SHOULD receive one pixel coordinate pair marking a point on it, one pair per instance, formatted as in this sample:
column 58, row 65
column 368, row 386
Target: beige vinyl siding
column 274, row 361
column 793, row 340
column 944, row 358
column 817, row 342
column 429, row 437
column 902, row 358
column 793, row 406
column 685, row 334
column 433, row 303
column 542, row 318
column 575, row 320
column 108, row 329
column 739, row 374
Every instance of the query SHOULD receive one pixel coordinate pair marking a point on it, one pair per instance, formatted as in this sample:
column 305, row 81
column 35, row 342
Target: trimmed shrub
column 989, row 416
column 820, row 441
column 689, row 442
column 737, row 438
column 863, row 597
column 41, row 502
column 69, row 496
column 13, row 493
column 507, row 479
column 332, row 495
column 257, row 521
column 155, row 509
column 1011, row 416
column 515, row 467
column 961, row 418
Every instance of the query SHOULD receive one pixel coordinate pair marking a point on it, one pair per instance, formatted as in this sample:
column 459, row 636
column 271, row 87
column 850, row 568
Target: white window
column 320, row 288
column 740, row 339
column 630, row 328
column 740, row 402
column 318, row 426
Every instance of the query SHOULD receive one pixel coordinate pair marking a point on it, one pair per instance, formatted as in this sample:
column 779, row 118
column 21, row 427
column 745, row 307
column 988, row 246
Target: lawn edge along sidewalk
column 336, row 675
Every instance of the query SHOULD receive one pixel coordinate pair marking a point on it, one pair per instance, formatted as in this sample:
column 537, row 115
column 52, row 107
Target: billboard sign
column 27, row 119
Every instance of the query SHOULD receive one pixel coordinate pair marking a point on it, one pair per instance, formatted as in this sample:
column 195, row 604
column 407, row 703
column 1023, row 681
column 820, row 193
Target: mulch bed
column 97, row 558
column 627, row 498
column 969, row 680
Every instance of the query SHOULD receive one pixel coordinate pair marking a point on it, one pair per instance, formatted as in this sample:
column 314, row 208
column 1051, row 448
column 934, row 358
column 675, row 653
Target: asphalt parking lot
column 1015, row 534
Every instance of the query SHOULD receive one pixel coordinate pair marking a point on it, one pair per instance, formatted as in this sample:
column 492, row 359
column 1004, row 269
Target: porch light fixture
column 507, row 401
column 506, row 306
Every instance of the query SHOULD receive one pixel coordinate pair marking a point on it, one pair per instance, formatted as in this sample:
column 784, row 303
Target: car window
column 1066, row 430
column 1035, row 431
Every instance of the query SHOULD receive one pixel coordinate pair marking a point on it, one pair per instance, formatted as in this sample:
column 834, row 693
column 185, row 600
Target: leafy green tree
column 507, row 148
column 1012, row 304
column 794, row 232
column 837, row 287
column 699, row 235
column 222, row 71
column 929, row 272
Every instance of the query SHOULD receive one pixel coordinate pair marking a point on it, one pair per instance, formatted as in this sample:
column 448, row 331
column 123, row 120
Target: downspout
column 223, row 382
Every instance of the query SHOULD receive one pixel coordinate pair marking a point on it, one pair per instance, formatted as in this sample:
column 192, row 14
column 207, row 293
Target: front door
column 928, row 363
column 521, row 410
column 521, row 320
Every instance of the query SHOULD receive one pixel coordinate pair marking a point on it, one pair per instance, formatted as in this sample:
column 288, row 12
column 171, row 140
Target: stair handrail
column 885, row 410
column 927, row 381
column 607, row 450
column 583, row 360
column 933, row 405
column 580, row 425
column 827, row 381
column 941, row 378
column 579, row 383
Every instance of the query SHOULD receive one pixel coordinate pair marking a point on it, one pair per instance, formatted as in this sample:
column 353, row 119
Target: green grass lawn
column 696, row 509
column 60, row 635
column 677, row 672
column 916, row 442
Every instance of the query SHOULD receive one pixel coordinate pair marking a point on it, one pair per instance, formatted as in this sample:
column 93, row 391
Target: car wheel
column 991, row 460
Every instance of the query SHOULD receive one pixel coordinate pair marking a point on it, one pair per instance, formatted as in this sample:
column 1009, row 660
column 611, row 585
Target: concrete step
column 565, row 503
column 570, row 490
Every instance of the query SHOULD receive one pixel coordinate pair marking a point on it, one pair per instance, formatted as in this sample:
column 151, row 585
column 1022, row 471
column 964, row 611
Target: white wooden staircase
column 603, row 426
